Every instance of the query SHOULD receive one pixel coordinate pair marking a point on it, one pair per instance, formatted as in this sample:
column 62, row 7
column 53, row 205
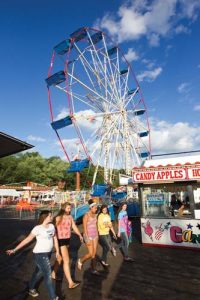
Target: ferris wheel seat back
column 56, row 78
column 79, row 211
column 143, row 134
column 78, row 165
column 118, row 195
column 130, row 92
column 112, row 51
column 95, row 38
column 63, row 47
column 61, row 123
column 79, row 34
column 123, row 72
column 144, row 154
column 139, row 112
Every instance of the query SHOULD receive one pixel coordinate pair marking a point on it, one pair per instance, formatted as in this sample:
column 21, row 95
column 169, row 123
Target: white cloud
column 72, row 146
column 181, row 29
column 183, row 88
column 149, row 75
column 87, row 119
column 190, row 8
column 149, row 63
column 154, row 40
column 168, row 137
column 131, row 55
column 167, row 50
column 154, row 19
column 36, row 138
column 197, row 107
column 62, row 114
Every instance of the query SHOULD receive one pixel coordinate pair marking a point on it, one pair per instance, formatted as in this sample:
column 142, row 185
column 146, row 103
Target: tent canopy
column 10, row 145
column 9, row 192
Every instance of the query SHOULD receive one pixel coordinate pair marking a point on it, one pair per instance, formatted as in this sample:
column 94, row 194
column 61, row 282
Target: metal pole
column 77, row 181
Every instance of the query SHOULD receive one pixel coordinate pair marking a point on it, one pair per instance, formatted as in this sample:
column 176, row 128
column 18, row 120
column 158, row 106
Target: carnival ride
column 96, row 102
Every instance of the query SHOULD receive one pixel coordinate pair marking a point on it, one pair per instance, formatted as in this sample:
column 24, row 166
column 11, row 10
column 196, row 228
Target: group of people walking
column 57, row 233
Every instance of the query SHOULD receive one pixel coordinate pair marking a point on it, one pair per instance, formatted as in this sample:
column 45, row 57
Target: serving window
column 172, row 200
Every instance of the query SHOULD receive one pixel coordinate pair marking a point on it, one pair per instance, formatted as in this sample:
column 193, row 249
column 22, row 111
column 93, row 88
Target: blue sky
column 160, row 40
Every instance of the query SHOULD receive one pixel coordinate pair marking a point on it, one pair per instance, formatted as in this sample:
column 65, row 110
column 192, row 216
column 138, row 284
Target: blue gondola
column 78, row 165
column 144, row 154
column 56, row 78
column 130, row 92
column 63, row 47
column 79, row 34
column 123, row 72
column 96, row 38
column 112, row 51
column 99, row 190
column 118, row 195
column 61, row 123
column 143, row 134
column 139, row 112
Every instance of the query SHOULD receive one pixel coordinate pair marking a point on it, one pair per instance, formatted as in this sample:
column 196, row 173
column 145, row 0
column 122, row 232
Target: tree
column 31, row 166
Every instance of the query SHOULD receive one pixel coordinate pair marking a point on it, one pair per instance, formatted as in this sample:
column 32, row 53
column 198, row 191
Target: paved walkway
column 158, row 273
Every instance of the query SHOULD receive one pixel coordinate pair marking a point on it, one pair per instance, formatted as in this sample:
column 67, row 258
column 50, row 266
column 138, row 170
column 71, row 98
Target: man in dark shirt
column 175, row 203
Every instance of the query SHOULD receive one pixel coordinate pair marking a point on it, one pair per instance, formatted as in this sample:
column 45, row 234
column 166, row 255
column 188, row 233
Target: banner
column 166, row 174
column 171, row 232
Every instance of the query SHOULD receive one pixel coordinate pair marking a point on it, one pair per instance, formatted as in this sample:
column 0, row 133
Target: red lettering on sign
column 176, row 234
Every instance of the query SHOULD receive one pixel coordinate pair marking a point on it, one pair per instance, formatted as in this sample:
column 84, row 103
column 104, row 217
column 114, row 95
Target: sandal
column 79, row 264
column 74, row 285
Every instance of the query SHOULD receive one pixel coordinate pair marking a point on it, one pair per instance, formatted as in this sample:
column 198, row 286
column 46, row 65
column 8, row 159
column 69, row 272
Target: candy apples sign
column 166, row 174
column 160, row 175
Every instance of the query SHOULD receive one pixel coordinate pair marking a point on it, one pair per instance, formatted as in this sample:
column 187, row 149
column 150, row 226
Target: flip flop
column 75, row 284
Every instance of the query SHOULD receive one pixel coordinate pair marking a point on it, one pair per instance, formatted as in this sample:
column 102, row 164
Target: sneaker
column 33, row 293
column 57, row 298
column 95, row 272
column 130, row 259
column 114, row 252
column 104, row 263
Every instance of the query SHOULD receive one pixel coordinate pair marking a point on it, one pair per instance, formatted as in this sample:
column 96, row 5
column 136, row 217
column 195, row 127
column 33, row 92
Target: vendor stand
column 169, row 192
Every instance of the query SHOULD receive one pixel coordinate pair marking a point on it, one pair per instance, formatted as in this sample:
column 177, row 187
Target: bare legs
column 66, row 267
column 92, row 250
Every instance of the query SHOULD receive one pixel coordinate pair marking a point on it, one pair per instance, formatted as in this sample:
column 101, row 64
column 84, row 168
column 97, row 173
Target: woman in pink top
column 90, row 236
column 64, row 223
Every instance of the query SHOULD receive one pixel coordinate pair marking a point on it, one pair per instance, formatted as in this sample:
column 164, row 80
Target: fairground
column 157, row 273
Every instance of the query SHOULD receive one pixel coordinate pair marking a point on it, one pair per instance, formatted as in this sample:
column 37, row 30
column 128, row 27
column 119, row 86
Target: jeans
column 106, row 244
column 43, row 269
column 124, row 243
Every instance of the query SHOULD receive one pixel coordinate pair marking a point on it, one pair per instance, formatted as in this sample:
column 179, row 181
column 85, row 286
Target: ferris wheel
column 96, row 103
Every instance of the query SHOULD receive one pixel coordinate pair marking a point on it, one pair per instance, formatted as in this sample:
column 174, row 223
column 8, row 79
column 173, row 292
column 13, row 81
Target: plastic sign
column 166, row 174
column 171, row 232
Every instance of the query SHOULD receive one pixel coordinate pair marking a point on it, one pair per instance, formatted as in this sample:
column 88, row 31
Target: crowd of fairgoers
column 56, row 233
